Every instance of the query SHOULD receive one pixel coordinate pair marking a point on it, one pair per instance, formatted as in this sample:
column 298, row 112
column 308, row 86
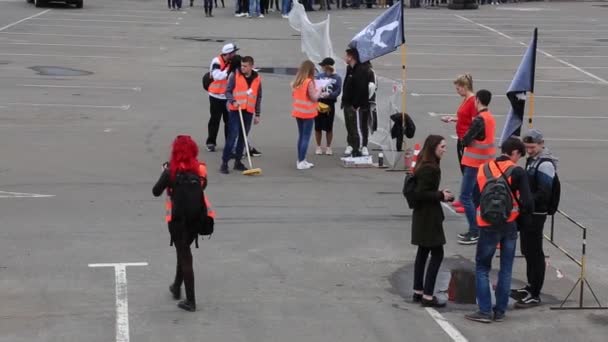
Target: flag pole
column 531, row 110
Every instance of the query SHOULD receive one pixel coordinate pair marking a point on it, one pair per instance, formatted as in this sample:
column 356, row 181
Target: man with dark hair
column 478, row 149
column 503, row 230
column 356, row 103
column 541, row 169
column 244, row 94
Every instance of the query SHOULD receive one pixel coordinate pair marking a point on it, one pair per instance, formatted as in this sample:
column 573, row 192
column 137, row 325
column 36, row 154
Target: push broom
column 251, row 171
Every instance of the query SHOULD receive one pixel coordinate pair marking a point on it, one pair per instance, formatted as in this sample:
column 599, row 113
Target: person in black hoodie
column 356, row 103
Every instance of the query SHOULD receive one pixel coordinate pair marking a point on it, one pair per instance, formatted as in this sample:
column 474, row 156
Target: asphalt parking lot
column 90, row 100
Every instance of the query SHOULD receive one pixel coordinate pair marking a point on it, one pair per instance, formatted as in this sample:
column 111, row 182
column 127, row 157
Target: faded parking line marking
column 446, row 326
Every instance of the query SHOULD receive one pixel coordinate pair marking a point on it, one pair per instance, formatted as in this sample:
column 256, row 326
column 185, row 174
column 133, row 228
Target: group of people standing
column 530, row 190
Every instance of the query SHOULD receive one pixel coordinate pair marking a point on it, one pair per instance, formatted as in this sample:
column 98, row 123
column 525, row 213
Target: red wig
column 183, row 156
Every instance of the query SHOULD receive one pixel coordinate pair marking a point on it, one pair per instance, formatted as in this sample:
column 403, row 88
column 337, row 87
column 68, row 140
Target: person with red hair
column 183, row 160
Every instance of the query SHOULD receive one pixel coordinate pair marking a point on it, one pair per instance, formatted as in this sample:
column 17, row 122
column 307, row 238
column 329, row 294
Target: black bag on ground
column 409, row 186
column 496, row 200
column 207, row 79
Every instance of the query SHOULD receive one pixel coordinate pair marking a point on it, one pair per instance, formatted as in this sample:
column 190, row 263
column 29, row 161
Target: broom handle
column 245, row 137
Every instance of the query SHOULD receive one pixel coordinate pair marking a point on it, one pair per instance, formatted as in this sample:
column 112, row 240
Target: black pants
column 460, row 151
column 264, row 6
column 208, row 4
column 357, row 129
column 219, row 112
column 184, row 272
column 532, row 249
column 428, row 286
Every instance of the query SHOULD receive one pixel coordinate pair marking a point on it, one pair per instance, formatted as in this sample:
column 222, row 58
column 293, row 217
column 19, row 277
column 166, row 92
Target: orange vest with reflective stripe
column 490, row 169
column 481, row 151
column 242, row 95
column 218, row 87
column 303, row 107
column 202, row 172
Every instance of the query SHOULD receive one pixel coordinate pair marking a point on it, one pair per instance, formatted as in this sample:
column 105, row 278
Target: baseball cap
column 534, row 136
column 327, row 61
column 229, row 48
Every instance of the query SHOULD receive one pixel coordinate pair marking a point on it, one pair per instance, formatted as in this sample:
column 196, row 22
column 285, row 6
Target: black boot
column 187, row 305
column 239, row 166
column 191, row 3
column 176, row 292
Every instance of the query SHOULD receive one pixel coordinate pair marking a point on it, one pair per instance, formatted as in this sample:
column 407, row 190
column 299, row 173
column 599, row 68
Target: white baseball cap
column 229, row 48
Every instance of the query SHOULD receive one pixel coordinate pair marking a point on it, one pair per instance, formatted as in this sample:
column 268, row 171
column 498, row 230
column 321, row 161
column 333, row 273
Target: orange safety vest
column 303, row 107
column 488, row 170
column 202, row 172
column 218, row 87
column 481, row 151
column 242, row 95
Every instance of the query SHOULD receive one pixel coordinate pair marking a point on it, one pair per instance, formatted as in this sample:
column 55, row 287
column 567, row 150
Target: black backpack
column 409, row 187
column 556, row 189
column 496, row 200
column 189, row 210
column 207, row 79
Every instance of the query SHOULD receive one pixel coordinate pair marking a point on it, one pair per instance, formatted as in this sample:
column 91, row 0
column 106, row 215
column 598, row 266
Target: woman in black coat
column 427, row 220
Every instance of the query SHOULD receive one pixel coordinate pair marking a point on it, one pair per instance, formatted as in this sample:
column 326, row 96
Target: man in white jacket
column 219, row 70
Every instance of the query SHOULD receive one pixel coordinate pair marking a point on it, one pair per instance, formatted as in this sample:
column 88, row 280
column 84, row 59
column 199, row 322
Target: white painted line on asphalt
column 536, row 116
column 24, row 19
column 69, row 56
column 79, row 45
column 110, row 21
column 76, row 26
column 112, row 15
column 66, row 35
column 449, row 329
column 502, row 81
column 449, row 207
column 536, row 96
column 557, row 59
column 124, row 10
column 122, row 300
column 138, row 89
column 67, row 105
column 8, row 194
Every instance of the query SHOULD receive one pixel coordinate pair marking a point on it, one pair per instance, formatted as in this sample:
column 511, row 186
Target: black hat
column 327, row 61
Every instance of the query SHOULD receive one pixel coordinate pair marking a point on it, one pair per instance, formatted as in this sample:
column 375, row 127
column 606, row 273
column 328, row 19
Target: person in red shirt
column 464, row 117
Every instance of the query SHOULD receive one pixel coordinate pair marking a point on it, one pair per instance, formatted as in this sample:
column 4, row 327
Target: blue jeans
column 304, row 132
column 468, row 189
column 486, row 247
column 235, row 136
column 285, row 7
column 254, row 8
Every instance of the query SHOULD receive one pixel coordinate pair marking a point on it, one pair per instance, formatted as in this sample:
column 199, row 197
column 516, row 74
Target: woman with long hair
column 427, row 220
column 183, row 160
column 464, row 118
column 305, row 96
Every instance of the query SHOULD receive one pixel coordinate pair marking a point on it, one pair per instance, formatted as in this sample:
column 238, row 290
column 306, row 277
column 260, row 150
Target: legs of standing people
column 532, row 249
column 208, row 7
column 240, row 145
column 432, row 271
column 467, row 189
column 234, row 128
column 460, row 152
column 219, row 112
column 304, row 132
column 179, row 4
column 184, row 270
column 352, row 133
column 419, row 266
column 486, row 247
column 254, row 8
column 508, row 241
column 363, row 129
column 285, row 7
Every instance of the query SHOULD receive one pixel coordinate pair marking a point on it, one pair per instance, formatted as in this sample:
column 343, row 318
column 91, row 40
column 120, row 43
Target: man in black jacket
column 541, row 170
column 355, row 102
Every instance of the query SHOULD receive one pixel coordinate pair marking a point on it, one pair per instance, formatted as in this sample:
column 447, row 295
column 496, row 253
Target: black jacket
column 355, row 91
column 427, row 218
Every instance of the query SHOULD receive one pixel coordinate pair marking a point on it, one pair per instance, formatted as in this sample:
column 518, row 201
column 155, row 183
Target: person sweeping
column 244, row 97
column 304, row 109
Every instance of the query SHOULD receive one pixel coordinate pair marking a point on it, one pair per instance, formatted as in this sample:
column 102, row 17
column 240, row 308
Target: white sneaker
column 348, row 151
column 309, row 164
column 238, row 15
column 364, row 151
column 328, row 151
column 248, row 15
column 302, row 165
column 319, row 150
column 285, row 16
column 261, row 16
